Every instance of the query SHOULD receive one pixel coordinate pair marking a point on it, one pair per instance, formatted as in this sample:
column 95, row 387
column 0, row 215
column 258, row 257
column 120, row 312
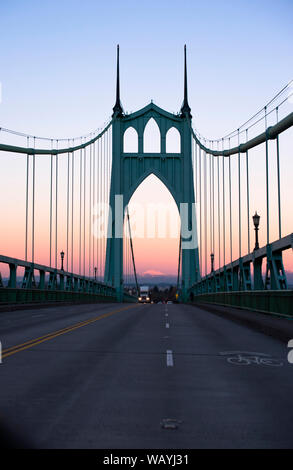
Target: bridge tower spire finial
column 185, row 108
column 118, row 110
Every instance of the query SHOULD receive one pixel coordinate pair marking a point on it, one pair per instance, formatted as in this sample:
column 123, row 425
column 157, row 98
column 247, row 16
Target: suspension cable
column 230, row 206
column 26, row 201
column 72, row 212
column 278, row 173
column 247, row 194
column 56, row 211
column 267, row 181
column 131, row 247
column 179, row 262
column 239, row 199
column 67, row 211
column 219, row 211
column 224, row 219
column 33, row 206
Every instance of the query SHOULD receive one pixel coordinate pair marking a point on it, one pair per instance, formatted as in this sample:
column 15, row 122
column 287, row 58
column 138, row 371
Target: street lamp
column 95, row 274
column 212, row 262
column 62, row 259
column 255, row 219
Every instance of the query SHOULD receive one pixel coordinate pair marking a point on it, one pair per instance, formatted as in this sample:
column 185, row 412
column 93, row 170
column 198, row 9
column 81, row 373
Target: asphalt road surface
column 117, row 376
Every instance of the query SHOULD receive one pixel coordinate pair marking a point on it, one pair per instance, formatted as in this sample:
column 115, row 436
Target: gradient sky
column 57, row 70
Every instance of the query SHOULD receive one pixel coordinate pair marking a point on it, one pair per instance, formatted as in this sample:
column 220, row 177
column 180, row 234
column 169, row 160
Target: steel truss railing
column 245, row 273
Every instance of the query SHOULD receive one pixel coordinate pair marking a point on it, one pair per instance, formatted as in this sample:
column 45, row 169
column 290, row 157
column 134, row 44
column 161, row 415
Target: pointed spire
column 117, row 110
column 185, row 108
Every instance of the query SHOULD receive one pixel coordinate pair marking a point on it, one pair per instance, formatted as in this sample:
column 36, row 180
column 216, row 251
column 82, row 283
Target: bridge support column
column 42, row 279
column 12, row 276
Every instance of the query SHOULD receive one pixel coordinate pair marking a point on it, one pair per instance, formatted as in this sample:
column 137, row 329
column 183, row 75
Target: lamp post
column 95, row 274
column 62, row 259
column 255, row 219
column 212, row 262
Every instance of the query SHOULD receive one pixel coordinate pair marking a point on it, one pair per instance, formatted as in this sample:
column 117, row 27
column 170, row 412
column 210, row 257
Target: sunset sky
column 57, row 78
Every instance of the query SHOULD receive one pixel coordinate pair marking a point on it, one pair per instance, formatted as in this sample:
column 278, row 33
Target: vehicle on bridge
column 144, row 295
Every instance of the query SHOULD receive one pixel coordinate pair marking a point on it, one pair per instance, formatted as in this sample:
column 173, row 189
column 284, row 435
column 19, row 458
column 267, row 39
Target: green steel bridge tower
column 129, row 170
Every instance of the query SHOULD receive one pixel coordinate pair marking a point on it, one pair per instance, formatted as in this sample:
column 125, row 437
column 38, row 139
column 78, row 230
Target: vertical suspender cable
column 195, row 171
column 124, row 256
column 179, row 263
column 33, row 204
column 67, row 210
column 247, row 193
column 219, row 209
column 84, row 207
column 72, row 210
column 213, row 203
column 105, row 199
column 94, row 203
column 90, row 214
column 108, row 178
column 56, row 210
column 267, row 180
column 51, row 204
column 211, row 221
column 26, row 200
column 239, row 195
column 100, row 201
column 205, row 211
column 230, row 205
column 99, row 241
column 200, row 212
column 224, row 218
column 106, row 181
column 80, row 204
column 278, row 173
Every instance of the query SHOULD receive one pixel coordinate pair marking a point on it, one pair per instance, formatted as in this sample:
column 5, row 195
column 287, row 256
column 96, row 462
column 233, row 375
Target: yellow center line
column 34, row 342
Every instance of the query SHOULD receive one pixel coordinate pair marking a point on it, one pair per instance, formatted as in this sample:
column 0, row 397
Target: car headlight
column 139, row 298
column 148, row 298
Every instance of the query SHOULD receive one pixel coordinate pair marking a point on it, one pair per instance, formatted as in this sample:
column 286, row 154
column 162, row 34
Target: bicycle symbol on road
column 245, row 358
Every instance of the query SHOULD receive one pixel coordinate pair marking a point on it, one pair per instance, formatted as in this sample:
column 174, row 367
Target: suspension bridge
column 76, row 247
column 99, row 172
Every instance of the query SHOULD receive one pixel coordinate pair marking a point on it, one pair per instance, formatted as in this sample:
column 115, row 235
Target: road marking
column 169, row 358
column 248, row 358
column 170, row 423
column 167, row 325
column 34, row 342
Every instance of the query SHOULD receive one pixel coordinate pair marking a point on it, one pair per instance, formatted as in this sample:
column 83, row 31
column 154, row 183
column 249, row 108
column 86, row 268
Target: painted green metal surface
column 61, row 286
column 130, row 170
column 23, row 296
column 274, row 302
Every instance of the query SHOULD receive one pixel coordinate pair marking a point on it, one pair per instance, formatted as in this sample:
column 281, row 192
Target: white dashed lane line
column 169, row 358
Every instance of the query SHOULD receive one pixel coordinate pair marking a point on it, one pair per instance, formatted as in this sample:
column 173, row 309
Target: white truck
column 144, row 294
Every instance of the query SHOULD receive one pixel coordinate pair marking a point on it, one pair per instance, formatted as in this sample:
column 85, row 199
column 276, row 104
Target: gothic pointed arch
column 151, row 137
column 130, row 140
column 173, row 141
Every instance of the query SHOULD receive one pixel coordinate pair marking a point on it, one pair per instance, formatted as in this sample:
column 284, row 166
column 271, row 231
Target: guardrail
column 273, row 302
column 244, row 275
column 52, row 285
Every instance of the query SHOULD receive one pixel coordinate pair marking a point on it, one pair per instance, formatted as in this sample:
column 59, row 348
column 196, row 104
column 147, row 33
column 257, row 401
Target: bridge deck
column 113, row 380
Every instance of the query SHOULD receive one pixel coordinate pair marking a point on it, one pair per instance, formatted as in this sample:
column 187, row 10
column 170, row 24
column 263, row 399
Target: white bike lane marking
column 247, row 358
